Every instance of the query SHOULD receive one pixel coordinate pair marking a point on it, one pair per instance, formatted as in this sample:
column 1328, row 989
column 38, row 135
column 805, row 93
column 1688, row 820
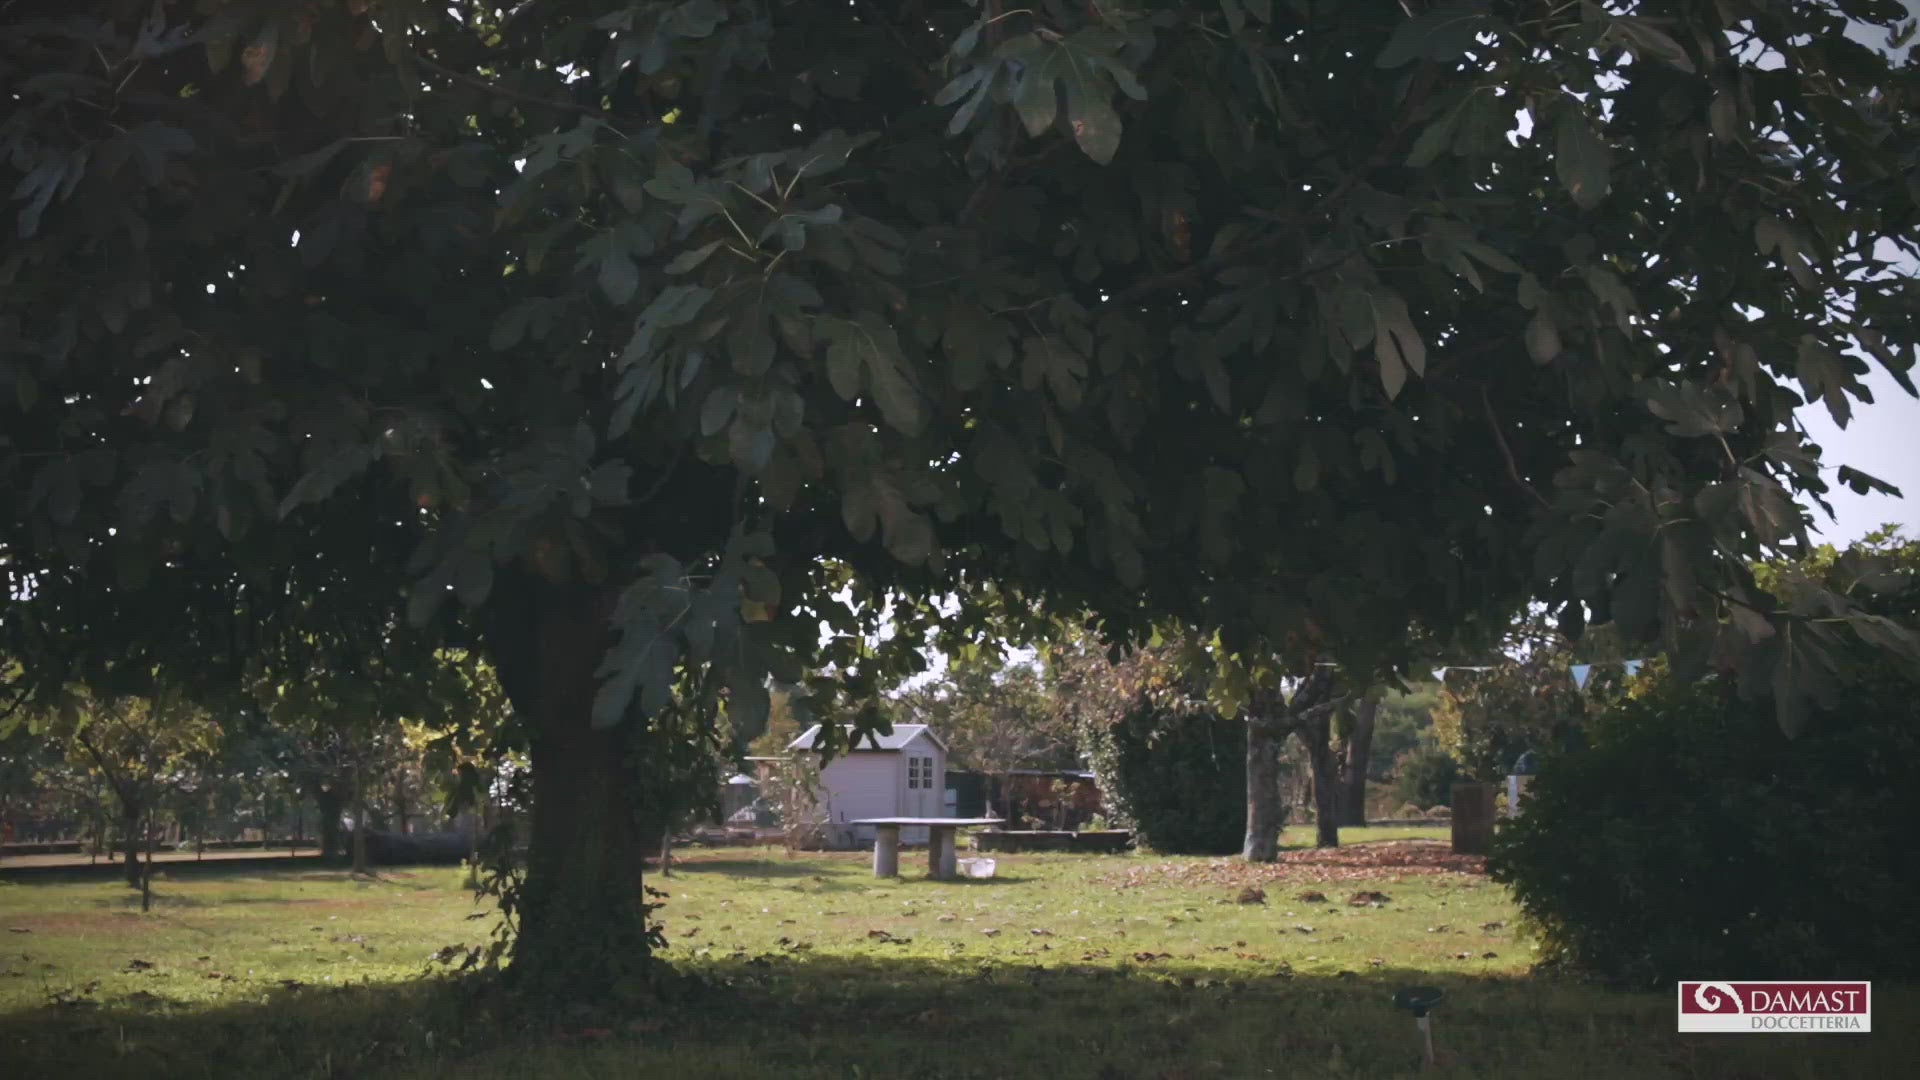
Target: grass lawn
column 1063, row 966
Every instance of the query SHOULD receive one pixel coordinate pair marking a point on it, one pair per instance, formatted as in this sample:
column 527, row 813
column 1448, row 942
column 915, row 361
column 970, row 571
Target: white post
column 942, row 863
column 886, row 851
column 1426, row 1033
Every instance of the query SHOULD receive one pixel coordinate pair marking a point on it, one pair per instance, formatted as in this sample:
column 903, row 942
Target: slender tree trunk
column 146, row 877
column 131, row 827
column 1353, row 771
column 583, row 930
column 1266, row 813
column 400, row 801
column 1326, row 786
column 328, row 802
column 359, row 822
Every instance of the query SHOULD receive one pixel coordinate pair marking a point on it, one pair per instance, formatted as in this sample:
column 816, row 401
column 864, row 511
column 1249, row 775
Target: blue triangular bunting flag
column 1581, row 673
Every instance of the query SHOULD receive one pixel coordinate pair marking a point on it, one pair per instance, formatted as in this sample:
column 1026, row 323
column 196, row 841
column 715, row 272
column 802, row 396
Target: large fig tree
column 634, row 340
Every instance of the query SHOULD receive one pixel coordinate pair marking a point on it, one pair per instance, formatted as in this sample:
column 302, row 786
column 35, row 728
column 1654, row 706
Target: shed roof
column 874, row 742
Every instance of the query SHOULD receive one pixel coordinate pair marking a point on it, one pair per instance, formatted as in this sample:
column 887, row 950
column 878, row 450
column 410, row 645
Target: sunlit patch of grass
column 1062, row 966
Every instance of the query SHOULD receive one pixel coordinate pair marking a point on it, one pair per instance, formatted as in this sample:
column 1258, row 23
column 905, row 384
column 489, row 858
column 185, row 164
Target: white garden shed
column 899, row 775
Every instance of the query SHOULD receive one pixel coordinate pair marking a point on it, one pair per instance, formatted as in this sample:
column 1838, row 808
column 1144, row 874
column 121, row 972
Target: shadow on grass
column 773, row 869
column 819, row 1017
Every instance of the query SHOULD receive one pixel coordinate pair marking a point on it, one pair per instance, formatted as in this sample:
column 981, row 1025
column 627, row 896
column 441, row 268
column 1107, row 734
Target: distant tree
column 1527, row 699
column 139, row 748
column 994, row 716
column 1424, row 775
column 1400, row 725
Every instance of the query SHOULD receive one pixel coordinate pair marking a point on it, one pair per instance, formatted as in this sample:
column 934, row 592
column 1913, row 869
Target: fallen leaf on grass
column 1148, row 957
column 948, row 918
column 1463, row 956
column 990, row 932
column 1490, row 927
column 139, row 965
column 1489, row 956
column 1253, row 894
column 880, row 934
column 18, row 930
column 1441, row 929
column 1375, row 961
column 1366, row 898
column 1303, row 928
column 1038, row 932
column 1312, row 896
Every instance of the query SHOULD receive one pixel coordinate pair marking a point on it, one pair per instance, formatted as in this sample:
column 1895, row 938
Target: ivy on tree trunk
column 583, row 930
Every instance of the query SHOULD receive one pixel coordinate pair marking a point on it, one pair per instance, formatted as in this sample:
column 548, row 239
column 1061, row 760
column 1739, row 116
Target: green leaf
column 691, row 258
column 473, row 579
column 1649, row 41
column 1084, row 68
column 1434, row 140
column 1543, row 337
column 843, row 365
column 717, row 409
column 1694, row 409
column 1306, row 469
column 1396, row 344
column 1582, row 158
column 1443, row 34
column 859, row 511
column 619, row 274
column 307, row 164
column 509, row 328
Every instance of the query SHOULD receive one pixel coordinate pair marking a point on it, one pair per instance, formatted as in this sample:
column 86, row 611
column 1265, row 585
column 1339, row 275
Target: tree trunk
column 328, row 803
column 1266, row 814
column 131, row 827
column 400, row 801
column 583, row 929
column 1353, row 771
column 1326, row 786
column 146, row 876
column 359, row 822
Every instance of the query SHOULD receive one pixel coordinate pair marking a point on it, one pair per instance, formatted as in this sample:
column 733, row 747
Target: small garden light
column 1421, row 1001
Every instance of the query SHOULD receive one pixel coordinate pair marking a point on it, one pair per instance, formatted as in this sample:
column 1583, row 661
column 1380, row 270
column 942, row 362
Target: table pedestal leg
column 886, row 851
column 941, row 863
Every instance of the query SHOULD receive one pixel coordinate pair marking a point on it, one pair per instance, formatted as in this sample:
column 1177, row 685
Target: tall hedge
column 1694, row 839
column 1177, row 778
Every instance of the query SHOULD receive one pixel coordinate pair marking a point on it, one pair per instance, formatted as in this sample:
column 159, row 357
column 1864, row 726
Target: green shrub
column 1179, row 780
column 1694, row 840
column 1425, row 776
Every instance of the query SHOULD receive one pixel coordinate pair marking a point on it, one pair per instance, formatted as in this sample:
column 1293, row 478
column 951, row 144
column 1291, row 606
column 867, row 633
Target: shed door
column 922, row 797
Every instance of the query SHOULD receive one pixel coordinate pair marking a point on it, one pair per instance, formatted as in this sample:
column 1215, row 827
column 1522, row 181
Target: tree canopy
column 622, row 338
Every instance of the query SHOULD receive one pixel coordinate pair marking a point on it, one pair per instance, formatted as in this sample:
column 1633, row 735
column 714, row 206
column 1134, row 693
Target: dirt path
column 160, row 858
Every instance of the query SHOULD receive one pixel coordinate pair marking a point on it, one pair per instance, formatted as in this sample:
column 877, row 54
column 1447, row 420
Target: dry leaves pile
column 1358, row 862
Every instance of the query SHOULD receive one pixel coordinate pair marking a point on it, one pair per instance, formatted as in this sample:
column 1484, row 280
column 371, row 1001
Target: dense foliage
column 1177, row 779
column 1526, row 699
column 1424, row 775
column 629, row 341
column 1687, row 842
column 1170, row 767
